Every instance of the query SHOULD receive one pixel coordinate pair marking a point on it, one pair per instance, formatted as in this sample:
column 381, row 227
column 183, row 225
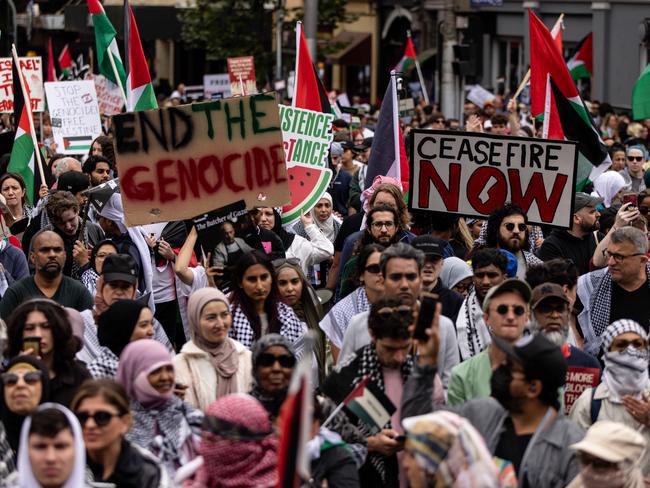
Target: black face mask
column 500, row 385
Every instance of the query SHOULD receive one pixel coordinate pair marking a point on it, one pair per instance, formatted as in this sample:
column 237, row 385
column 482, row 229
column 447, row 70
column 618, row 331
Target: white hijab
column 26, row 477
column 327, row 227
column 607, row 185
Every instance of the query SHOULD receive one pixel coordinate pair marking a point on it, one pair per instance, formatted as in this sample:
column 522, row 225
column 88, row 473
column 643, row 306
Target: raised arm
column 181, row 268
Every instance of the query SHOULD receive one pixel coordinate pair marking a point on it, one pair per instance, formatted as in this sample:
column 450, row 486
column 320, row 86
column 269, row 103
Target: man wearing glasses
column 619, row 291
column 633, row 172
column 506, row 313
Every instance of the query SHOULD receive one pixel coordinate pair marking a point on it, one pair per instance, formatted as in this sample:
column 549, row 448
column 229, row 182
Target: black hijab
column 286, row 237
column 115, row 326
column 13, row 422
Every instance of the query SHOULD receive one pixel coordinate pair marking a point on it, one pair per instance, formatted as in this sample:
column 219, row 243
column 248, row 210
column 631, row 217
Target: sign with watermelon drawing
column 75, row 115
column 179, row 162
column 307, row 136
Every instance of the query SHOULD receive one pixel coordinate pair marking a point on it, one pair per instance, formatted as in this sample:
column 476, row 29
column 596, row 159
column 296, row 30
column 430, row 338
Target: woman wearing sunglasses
column 25, row 385
column 296, row 291
column 211, row 363
column 255, row 304
column 102, row 408
column 162, row 422
column 125, row 321
column 43, row 324
column 370, row 288
column 273, row 363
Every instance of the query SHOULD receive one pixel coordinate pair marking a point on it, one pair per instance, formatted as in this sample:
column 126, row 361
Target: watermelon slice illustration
column 306, row 184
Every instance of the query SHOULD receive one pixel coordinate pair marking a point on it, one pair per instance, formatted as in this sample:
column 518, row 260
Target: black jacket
column 451, row 300
column 133, row 470
column 561, row 244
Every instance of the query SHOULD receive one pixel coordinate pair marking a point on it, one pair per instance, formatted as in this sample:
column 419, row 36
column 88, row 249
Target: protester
column 123, row 322
column 98, row 168
column 48, row 257
column 637, row 156
column 623, row 396
column 610, row 187
column 13, row 263
column 46, row 322
column 579, row 242
column 456, row 275
column 370, row 289
column 505, row 312
column 102, row 408
column 14, row 191
column 211, row 364
column 162, row 422
column 103, row 146
column 25, row 385
column 339, row 186
column 609, row 456
column 618, row 156
column 93, row 269
column 273, row 359
column 615, row 292
column 255, row 304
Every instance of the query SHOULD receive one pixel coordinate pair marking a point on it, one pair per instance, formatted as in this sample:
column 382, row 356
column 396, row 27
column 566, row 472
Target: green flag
column 106, row 45
column 641, row 96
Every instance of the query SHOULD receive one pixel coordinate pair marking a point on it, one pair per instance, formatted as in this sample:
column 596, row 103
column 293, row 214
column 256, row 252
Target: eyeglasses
column 31, row 378
column 401, row 311
column 440, row 121
column 373, row 268
column 101, row 418
column 635, row 158
column 229, row 430
column 618, row 258
column 596, row 463
column 379, row 225
column 644, row 210
column 280, row 261
column 622, row 344
column 267, row 360
column 510, row 226
column 518, row 310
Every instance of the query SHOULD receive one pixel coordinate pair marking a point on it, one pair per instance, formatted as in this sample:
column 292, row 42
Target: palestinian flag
column 641, row 96
column 550, row 77
column 81, row 144
column 296, row 421
column 51, row 70
column 581, row 62
column 65, row 63
column 308, row 91
column 22, row 158
column 105, row 41
column 407, row 63
column 388, row 155
column 370, row 405
column 139, row 90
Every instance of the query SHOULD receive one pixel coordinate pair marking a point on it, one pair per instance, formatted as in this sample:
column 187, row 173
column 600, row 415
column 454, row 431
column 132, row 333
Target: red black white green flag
column 581, row 62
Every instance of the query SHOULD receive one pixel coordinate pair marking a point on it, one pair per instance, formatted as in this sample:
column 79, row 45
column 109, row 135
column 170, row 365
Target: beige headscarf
column 223, row 356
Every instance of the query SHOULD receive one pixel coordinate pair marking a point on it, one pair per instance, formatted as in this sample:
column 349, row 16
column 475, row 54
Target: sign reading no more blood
column 471, row 174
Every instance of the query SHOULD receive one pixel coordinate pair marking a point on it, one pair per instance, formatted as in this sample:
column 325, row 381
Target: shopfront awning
column 355, row 50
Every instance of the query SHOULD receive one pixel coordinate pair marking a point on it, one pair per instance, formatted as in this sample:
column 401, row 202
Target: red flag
column 308, row 91
column 51, row 71
column 65, row 62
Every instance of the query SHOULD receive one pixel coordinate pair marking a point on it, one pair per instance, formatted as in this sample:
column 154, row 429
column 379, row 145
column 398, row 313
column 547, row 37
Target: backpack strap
column 595, row 405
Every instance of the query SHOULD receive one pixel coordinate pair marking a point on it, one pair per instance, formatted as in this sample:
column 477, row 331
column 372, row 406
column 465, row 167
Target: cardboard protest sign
column 479, row 95
column 109, row 95
column 307, row 136
column 178, row 162
column 243, row 67
column 74, row 113
column 577, row 381
column 471, row 174
column 32, row 68
column 217, row 86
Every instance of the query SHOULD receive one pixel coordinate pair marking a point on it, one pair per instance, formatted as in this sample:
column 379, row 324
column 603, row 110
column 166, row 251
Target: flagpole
column 295, row 72
column 117, row 77
column 526, row 79
column 32, row 132
column 393, row 77
column 420, row 77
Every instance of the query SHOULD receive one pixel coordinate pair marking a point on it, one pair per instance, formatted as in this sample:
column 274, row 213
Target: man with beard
column 489, row 268
column 550, row 318
column 507, row 228
column 579, row 242
column 505, row 312
column 520, row 422
column 48, row 258
column 98, row 168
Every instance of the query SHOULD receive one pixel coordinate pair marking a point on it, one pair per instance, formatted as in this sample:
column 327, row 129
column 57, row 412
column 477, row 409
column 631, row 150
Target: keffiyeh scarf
column 337, row 320
column 473, row 334
column 104, row 365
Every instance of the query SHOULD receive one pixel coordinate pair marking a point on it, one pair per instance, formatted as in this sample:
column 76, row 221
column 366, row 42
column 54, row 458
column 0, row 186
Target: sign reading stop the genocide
column 471, row 174
column 179, row 162
column 32, row 69
column 242, row 72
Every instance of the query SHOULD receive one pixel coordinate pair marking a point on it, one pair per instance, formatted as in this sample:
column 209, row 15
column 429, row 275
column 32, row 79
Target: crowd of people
column 136, row 357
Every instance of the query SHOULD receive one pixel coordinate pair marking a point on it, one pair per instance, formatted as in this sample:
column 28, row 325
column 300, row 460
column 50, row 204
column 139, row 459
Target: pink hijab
column 137, row 360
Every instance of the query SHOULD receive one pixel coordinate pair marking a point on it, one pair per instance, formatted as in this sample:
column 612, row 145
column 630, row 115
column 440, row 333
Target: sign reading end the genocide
column 178, row 162
column 471, row 174
column 307, row 137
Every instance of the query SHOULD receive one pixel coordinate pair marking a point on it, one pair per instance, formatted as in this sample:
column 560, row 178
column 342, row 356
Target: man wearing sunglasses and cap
column 520, row 422
column 579, row 242
column 505, row 312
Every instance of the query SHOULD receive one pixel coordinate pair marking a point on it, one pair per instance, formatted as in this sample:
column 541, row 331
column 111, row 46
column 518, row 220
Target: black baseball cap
column 348, row 145
column 73, row 181
column 431, row 246
column 542, row 360
column 367, row 143
column 120, row 267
